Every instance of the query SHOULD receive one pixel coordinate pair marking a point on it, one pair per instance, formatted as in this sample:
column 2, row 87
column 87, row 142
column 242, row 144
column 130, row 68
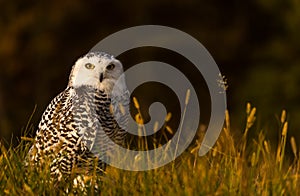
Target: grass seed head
column 187, row 97
column 294, row 146
column 284, row 129
column 136, row 103
column 283, row 116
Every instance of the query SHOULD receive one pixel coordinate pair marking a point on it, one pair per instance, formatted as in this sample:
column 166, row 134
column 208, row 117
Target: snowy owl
column 71, row 132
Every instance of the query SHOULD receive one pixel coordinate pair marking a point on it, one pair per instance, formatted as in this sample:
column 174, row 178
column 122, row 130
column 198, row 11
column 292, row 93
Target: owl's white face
column 96, row 69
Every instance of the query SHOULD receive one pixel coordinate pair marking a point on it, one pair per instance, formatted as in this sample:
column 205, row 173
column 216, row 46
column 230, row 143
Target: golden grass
column 234, row 166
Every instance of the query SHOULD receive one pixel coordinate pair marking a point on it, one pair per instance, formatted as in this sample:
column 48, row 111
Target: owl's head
column 96, row 69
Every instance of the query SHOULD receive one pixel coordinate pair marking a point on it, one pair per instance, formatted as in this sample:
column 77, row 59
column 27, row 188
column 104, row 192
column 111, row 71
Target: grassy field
column 234, row 166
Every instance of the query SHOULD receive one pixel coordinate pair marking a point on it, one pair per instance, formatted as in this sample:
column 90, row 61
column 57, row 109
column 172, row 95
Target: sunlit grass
column 234, row 166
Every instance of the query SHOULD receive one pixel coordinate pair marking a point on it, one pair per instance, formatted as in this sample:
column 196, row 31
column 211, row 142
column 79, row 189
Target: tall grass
column 234, row 166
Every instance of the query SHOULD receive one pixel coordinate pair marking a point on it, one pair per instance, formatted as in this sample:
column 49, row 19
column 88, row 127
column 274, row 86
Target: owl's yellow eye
column 89, row 66
column 110, row 66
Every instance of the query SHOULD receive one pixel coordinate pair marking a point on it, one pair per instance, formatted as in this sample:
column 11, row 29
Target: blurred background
column 256, row 45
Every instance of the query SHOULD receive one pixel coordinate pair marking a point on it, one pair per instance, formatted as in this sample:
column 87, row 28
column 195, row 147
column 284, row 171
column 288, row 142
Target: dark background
column 256, row 45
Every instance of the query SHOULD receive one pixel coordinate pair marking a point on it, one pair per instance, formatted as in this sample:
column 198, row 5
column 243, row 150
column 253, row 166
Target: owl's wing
column 56, row 131
column 111, row 132
column 100, row 130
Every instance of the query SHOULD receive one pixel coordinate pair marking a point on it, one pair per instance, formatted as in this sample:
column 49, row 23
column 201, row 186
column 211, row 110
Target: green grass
column 234, row 166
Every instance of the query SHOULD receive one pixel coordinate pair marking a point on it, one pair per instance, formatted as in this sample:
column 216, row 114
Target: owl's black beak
column 101, row 77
